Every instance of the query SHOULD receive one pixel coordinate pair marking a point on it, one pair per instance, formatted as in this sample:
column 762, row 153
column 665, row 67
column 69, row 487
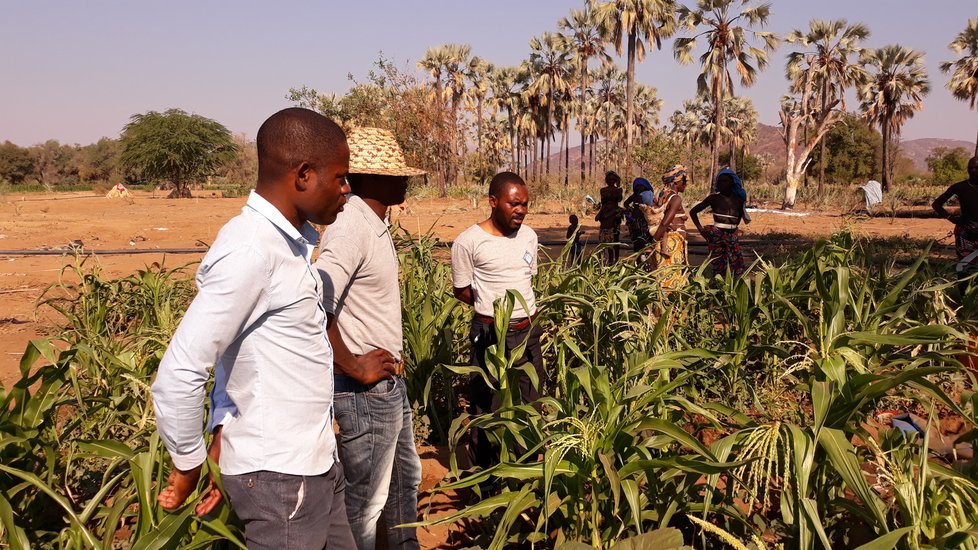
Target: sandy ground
column 147, row 223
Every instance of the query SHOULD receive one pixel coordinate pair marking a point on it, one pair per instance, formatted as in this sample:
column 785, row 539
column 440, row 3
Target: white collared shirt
column 258, row 318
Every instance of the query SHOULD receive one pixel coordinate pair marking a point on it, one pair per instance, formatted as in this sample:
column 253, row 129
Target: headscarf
column 673, row 174
column 738, row 186
column 642, row 190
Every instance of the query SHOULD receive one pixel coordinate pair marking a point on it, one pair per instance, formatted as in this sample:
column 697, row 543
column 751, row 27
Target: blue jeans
column 288, row 512
column 383, row 470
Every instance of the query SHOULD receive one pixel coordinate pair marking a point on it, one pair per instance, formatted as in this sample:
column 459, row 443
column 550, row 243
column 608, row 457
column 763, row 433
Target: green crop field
column 740, row 410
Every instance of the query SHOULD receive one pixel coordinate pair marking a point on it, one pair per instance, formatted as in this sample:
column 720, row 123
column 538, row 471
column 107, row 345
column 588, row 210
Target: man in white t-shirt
column 488, row 259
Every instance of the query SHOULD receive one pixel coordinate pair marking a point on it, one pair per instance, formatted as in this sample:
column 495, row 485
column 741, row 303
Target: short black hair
column 501, row 180
column 293, row 136
column 611, row 177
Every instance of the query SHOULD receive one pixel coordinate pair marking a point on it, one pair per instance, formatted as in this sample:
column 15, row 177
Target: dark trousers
column 482, row 399
column 286, row 512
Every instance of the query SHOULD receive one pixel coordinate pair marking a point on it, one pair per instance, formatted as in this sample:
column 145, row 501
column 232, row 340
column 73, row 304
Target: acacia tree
column 585, row 41
column 819, row 74
column 893, row 93
column 641, row 24
column 725, row 32
column 175, row 147
column 964, row 70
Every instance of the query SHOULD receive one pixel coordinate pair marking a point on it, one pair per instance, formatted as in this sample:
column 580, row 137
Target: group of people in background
column 656, row 222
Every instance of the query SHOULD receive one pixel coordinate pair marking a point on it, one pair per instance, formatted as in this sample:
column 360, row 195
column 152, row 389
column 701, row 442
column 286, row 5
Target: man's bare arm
column 367, row 368
column 940, row 201
column 464, row 295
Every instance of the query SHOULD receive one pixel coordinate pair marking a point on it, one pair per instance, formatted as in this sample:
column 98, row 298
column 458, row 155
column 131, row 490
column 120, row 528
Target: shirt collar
column 378, row 225
column 306, row 235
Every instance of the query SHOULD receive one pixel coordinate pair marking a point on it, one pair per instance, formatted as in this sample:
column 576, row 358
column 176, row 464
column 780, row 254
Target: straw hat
column 375, row 151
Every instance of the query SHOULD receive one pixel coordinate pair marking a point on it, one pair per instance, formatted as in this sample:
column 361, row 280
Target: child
column 577, row 234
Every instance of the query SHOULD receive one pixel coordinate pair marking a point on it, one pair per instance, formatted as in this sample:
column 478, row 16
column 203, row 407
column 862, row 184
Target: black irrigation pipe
column 117, row 252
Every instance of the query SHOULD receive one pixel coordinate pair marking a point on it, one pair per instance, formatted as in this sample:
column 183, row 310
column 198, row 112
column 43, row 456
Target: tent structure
column 118, row 191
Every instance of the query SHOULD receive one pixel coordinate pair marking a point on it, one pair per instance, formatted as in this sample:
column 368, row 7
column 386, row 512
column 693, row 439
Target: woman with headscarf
column 723, row 237
column 672, row 249
column 638, row 228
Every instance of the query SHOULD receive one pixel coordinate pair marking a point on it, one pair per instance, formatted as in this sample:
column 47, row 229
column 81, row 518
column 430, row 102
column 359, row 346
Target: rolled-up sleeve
column 232, row 294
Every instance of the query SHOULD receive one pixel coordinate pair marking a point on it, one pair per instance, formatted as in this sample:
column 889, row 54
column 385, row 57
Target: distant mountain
column 768, row 143
column 918, row 150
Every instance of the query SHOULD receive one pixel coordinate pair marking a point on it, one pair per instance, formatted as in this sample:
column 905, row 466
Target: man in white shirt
column 258, row 318
column 488, row 259
column 361, row 295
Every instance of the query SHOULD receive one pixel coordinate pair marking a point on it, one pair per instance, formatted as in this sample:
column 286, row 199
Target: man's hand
column 181, row 484
column 374, row 366
column 212, row 496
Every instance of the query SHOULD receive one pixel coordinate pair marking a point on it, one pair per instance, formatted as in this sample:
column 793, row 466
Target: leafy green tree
column 175, row 147
column 16, row 163
column 54, row 163
column 98, row 161
column 948, row 165
column 749, row 167
column 964, row 70
column 853, row 151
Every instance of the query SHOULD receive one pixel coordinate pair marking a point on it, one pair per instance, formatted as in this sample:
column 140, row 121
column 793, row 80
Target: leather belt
column 514, row 324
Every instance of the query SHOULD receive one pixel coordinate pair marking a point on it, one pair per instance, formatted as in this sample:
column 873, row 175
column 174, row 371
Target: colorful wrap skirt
column 725, row 251
column 672, row 255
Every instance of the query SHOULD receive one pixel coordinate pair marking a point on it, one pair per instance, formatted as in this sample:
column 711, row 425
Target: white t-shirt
column 492, row 265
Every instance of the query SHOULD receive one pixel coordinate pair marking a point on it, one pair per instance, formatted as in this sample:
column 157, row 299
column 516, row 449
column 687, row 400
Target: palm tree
column 507, row 86
column 641, row 24
column 608, row 94
column 894, row 92
column 477, row 72
column 726, row 35
column 741, row 120
column 829, row 45
column 586, row 41
column 693, row 127
column 647, row 107
column 549, row 59
column 964, row 77
column 446, row 65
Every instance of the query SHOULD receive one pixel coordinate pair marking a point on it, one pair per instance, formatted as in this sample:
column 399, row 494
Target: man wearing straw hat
column 361, row 295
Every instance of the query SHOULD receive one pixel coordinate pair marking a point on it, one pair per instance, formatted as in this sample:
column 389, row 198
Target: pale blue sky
column 76, row 71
